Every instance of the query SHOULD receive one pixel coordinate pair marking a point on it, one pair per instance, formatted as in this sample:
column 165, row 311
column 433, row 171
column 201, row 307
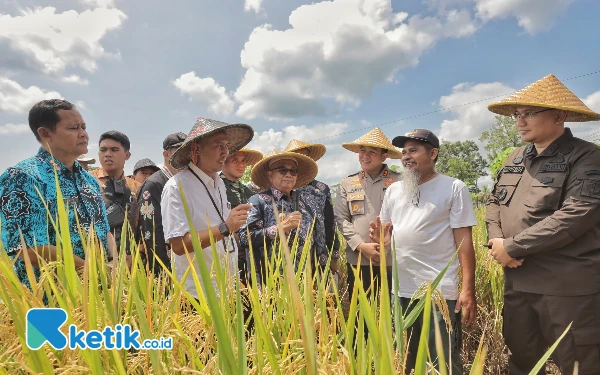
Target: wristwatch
column 223, row 229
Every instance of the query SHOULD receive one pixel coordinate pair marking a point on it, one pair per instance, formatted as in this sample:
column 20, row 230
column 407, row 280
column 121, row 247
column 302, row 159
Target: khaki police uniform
column 547, row 208
column 357, row 204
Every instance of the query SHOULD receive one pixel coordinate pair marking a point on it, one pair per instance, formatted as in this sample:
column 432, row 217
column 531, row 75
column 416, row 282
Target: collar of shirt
column 278, row 194
column 384, row 173
column 167, row 172
column 236, row 185
column 101, row 173
column 47, row 159
column 559, row 145
column 209, row 181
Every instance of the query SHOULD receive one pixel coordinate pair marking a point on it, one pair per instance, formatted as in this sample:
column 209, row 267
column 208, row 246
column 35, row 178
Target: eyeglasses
column 527, row 115
column 284, row 171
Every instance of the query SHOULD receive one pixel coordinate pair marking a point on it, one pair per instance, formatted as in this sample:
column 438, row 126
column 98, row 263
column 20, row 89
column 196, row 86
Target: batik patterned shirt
column 262, row 223
column 27, row 187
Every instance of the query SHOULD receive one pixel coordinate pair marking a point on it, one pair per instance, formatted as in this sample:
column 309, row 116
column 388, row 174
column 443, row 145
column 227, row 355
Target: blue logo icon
column 43, row 325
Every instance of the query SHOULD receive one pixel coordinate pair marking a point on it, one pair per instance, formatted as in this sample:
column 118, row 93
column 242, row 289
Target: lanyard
column 214, row 205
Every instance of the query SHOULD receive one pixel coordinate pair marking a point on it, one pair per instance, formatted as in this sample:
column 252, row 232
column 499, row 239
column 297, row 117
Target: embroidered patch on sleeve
column 146, row 195
column 591, row 188
column 147, row 210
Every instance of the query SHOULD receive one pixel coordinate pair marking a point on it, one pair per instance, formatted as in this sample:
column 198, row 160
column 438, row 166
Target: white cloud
column 590, row 131
column 18, row 99
column 533, row 15
column 49, row 42
column 206, row 91
column 12, row 129
column 335, row 50
column 271, row 139
column 470, row 120
column 100, row 3
column 74, row 78
column 253, row 5
column 593, row 101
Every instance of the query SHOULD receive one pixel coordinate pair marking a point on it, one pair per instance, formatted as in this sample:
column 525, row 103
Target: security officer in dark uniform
column 150, row 217
column 543, row 221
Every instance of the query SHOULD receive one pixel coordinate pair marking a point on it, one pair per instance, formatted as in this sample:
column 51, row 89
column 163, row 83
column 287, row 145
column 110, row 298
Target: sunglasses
column 284, row 171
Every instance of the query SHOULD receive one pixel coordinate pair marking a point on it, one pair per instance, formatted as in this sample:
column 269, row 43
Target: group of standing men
column 543, row 216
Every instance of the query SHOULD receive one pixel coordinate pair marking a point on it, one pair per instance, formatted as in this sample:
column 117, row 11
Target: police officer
column 358, row 203
column 543, row 221
column 119, row 191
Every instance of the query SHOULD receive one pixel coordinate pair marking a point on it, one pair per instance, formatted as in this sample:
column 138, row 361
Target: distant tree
column 395, row 168
column 463, row 161
column 246, row 177
column 502, row 134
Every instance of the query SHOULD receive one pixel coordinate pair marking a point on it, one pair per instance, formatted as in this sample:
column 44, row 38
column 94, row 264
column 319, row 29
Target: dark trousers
column 533, row 322
column 365, row 275
column 451, row 341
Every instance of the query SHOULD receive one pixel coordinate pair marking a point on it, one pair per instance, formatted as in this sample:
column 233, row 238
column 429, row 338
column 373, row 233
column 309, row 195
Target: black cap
column 422, row 135
column 174, row 140
column 144, row 163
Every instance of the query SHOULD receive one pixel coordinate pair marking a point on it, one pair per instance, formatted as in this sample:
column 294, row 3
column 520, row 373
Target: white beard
column 410, row 184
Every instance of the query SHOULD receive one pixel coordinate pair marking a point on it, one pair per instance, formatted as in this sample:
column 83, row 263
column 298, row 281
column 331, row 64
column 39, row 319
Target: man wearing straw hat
column 150, row 215
column 200, row 158
column 85, row 162
column 358, row 203
column 281, row 175
column 322, row 194
column 237, row 192
column 543, row 222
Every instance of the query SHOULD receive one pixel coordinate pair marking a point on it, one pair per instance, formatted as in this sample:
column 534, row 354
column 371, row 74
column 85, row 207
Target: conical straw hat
column 548, row 92
column 252, row 156
column 307, row 168
column 315, row 150
column 374, row 138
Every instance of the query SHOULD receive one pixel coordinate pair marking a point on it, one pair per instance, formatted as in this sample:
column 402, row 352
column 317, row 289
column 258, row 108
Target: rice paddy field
column 302, row 322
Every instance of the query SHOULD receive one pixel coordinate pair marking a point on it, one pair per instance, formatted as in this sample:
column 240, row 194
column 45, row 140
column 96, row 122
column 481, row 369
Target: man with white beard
column 427, row 217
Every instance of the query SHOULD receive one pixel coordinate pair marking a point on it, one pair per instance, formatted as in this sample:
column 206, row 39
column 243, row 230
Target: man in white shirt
column 201, row 157
column 428, row 216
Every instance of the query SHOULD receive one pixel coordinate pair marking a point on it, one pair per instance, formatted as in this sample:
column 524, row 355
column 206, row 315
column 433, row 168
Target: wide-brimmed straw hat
column 85, row 159
column 374, row 138
column 315, row 150
column 252, row 156
column 239, row 136
column 548, row 92
column 307, row 168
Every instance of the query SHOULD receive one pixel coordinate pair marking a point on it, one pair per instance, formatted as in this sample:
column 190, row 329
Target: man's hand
column 371, row 251
column 466, row 301
column 501, row 255
column 375, row 231
column 292, row 221
column 237, row 217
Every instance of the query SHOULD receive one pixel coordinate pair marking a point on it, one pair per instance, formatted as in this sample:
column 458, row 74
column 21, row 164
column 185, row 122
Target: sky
column 322, row 72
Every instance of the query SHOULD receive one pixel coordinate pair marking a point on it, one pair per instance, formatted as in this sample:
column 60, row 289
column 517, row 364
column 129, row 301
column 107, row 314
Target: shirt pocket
column 505, row 189
column 546, row 191
column 356, row 203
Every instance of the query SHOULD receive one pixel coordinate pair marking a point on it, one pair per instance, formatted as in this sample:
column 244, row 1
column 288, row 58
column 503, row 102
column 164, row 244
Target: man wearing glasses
column 427, row 217
column 543, row 221
column 200, row 158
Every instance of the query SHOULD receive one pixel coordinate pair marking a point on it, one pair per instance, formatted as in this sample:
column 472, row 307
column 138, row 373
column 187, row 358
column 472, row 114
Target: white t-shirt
column 175, row 223
column 422, row 236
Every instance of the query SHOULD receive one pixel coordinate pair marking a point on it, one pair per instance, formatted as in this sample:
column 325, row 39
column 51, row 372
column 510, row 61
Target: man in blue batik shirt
column 28, row 187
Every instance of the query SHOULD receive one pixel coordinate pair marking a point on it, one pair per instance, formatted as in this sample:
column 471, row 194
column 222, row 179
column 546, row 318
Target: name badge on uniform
column 513, row 169
column 553, row 168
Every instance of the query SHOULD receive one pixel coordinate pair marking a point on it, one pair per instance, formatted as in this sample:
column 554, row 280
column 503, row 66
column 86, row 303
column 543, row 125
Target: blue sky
column 324, row 71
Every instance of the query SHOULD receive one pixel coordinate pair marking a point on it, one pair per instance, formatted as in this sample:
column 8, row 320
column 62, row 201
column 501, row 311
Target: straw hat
column 374, row 138
column 307, row 168
column 548, row 92
column 239, row 136
column 85, row 159
column 252, row 156
column 315, row 150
